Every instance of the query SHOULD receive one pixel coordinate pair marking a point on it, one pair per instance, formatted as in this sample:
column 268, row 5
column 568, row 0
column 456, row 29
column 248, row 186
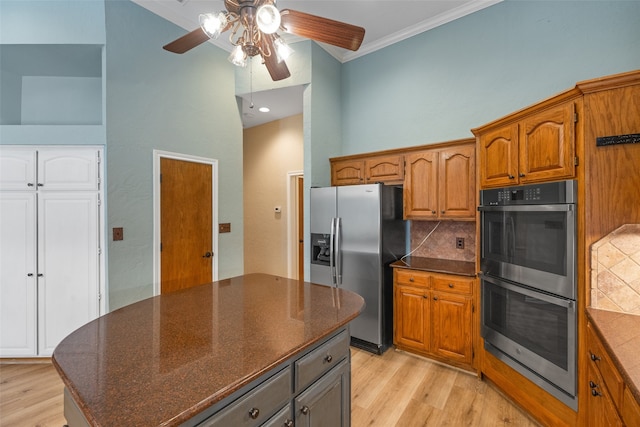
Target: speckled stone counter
column 436, row 265
column 165, row 359
column 620, row 334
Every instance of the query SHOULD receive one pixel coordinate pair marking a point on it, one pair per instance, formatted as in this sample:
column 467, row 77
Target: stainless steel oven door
column 535, row 330
column 531, row 244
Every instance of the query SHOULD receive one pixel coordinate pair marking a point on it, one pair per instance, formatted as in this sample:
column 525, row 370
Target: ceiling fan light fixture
column 238, row 57
column 212, row 23
column 268, row 18
column 283, row 50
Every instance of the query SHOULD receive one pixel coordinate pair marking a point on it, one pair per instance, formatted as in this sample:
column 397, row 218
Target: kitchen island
column 200, row 354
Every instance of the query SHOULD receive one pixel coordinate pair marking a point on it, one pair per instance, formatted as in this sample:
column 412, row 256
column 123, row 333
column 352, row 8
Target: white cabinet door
column 17, row 169
column 68, row 287
column 67, row 169
column 18, row 274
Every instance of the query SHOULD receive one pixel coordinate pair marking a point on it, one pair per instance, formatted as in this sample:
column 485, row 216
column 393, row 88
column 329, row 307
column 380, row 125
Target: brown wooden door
column 186, row 257
column 421, row 185
column 498, row 152
column 411, row 317
column 457, row 183
column 451, row 327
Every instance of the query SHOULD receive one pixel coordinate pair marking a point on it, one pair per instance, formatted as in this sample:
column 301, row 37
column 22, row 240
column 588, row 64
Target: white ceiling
column 385, row 22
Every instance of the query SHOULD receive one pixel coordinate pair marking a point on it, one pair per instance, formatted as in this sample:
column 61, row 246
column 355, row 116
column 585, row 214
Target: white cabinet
column 50, row 251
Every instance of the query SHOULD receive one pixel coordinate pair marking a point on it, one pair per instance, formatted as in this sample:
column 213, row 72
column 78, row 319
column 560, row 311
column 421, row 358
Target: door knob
column 207, row 255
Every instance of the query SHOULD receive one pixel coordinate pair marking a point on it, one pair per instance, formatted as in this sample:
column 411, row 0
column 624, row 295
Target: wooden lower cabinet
column 433, row 315
column 610, row 402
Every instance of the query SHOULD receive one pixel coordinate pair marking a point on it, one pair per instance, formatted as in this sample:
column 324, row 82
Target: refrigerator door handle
column 332, row 266
column 338, row 252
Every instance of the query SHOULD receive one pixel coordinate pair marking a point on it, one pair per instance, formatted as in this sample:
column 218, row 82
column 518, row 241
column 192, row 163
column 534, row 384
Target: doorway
column 295, row 227
column 185, row 214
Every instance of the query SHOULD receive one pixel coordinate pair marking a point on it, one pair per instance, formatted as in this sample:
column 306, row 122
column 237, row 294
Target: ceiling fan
column 254, row 25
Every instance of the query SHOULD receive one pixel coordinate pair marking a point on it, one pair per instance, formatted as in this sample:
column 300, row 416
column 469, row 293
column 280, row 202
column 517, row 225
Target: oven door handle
column 528, row 208
column 564, row 302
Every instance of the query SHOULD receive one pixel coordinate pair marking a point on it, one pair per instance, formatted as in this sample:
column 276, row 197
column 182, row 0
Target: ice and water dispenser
column 320, row 248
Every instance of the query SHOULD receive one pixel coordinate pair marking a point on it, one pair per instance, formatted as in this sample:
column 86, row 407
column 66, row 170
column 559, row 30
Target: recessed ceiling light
column 264, row 109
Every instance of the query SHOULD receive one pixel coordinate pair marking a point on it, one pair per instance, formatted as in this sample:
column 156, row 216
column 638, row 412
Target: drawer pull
column 435, row 298
column 411, row 279
column 595, row 393
column 305, row 410
column 592, row 384
column 254, row 413
column 451, row 285
column 288, row 423
column 594, row 357
column 328, row 358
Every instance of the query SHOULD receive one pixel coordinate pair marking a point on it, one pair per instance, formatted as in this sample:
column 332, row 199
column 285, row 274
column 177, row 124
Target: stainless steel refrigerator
column 356, row 232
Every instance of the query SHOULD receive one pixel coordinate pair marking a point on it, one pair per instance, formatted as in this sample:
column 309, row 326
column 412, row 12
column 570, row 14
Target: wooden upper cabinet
column 387, row 169
column 368, row 170
column 457, row 182
column 421, row 185
column 547, row 145
column 440, row 184
column 347, row 172
column 538, row 147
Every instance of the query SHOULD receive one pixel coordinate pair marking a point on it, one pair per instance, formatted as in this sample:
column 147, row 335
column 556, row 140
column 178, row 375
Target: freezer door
column 360, row 256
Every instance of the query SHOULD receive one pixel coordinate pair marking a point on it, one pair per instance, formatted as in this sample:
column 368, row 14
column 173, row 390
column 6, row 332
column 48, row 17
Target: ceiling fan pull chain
column 251, row 81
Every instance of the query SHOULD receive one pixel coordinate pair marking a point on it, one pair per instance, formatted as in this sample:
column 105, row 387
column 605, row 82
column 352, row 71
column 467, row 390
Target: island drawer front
column 257, row 405
column 320, row 360
column 412, row 277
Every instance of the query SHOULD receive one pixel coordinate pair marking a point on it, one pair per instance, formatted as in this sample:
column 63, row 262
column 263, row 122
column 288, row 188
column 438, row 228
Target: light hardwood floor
column 395, row 389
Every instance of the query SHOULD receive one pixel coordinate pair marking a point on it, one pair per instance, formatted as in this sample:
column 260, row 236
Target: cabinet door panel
column 451, row 326
column 385, row 169
column 457, row 177
column 68, row 169
column 411, row 316
column 68, row 264
column 499, row 157
column 327, row 401
column 17, row 169
column 546, row 145
column 600, row 409
column 18, row 274
column 421, row 186
column 347, row 172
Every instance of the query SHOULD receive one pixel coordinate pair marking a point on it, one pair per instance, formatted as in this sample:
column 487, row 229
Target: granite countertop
column 436, row 265
column 162, row 360
column 620, row 334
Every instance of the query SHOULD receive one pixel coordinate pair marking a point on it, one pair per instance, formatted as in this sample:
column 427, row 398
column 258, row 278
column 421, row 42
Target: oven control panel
column 548, row 193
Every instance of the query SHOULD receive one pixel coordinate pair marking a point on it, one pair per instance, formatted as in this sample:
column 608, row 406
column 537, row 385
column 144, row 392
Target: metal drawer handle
column 329, row 358
column 305, row 410
column 254, row 413
column 288, row 423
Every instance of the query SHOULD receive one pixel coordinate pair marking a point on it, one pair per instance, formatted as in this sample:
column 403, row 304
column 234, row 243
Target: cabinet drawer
column 256, row 406
column 320, row 360
column 412, row 277
column 450, row 284
column 605, row 367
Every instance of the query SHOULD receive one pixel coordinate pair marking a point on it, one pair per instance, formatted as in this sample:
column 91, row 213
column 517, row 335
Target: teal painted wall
column 438, row 85
column 178, row 103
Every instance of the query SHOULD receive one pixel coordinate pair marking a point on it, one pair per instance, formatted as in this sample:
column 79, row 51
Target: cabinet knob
column 521, row 175
column 512, row 177
column 435, row 298
column 40, row 184
column 254, row 413
column 288, row 423
column 305, row 410
column 207, row 255
column 328, row 358
column 30, row 184
column 442, row 211
column 594, row 357
column 411, row 279
column 451, row 285
column 40, row 275
column 30, row 275
column 595, row 393
column 592, row 384
column 433, row 212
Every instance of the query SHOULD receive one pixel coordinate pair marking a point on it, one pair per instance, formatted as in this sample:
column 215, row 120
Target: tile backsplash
column 442, row 243
column 615, row 271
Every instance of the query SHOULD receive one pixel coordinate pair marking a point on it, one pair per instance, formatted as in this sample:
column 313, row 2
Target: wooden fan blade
column 322, row 29
column 187, row 42
column 277, row 70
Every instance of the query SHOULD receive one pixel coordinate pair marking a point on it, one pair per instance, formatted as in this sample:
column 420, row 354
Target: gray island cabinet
column 254, row 350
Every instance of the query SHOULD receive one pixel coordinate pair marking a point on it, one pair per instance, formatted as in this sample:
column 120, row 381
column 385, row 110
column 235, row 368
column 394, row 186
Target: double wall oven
column 528, row 280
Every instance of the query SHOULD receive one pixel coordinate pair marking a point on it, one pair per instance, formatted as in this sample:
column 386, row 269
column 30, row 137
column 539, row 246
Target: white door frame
column 292, row 224
column 157, row 155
